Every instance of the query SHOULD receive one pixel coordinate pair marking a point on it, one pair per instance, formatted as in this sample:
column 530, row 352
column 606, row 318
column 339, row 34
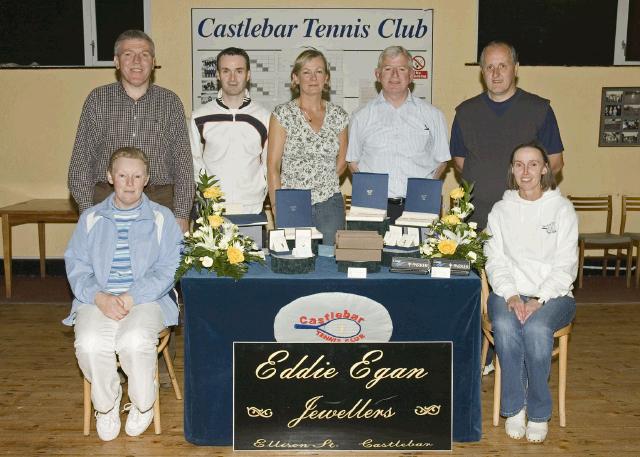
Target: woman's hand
column 531, row 306
column 126, row 300
column 516, row 305
column 111, row 306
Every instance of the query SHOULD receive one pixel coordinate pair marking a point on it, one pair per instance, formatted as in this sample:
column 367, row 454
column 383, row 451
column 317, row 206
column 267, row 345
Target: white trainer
column 488, row 369
column 108, row 424
column 537, row 431
column 515, row 425
column 137, row 421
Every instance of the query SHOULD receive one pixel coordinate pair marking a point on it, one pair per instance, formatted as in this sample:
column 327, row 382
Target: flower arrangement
column 216, row 244
column 453, row 238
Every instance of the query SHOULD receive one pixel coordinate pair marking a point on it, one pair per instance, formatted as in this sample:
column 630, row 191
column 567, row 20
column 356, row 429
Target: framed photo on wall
column 620, row 117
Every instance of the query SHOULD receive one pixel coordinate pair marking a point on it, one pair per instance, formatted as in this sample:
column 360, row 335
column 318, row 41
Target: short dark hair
column 134, row 35
column 233, row 52
column 491, row 44
column 129, row 153
column 547, row 181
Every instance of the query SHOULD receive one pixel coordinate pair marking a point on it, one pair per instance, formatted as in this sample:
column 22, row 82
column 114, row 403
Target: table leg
column 6, row 250
column 42, row 249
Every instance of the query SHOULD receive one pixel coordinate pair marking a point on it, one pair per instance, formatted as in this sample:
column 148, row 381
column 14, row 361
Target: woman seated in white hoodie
column 532, row 264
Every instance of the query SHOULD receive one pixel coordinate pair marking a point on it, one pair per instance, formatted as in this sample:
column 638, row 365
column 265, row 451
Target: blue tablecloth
column 219, row 311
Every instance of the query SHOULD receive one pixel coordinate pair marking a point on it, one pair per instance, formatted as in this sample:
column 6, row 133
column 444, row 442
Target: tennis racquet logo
column 333, row 317
column 336, row 328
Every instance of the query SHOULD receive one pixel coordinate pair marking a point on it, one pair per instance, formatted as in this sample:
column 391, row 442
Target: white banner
column 350, row 38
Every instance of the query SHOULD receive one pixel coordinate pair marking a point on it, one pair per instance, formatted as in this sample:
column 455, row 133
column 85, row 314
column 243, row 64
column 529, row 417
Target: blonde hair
column 304, row 57
column 129, row 153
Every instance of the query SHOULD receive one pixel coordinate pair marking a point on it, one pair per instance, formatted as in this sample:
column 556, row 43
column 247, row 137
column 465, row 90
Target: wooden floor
column 41, row 401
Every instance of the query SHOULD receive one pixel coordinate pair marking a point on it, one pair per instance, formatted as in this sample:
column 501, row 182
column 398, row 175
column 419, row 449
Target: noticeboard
column 350, row 38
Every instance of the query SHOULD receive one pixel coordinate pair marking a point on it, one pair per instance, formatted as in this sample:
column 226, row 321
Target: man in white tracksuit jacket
column 229, row 137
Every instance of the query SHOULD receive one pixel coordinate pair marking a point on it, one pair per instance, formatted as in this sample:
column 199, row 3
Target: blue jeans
column 525, row 353
column 328, row 217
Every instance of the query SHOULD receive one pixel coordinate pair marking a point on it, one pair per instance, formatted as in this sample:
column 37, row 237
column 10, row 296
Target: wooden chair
column 631, row 204
column 601, row 240
column 347, row 202
column 163, row 347
column 561, row 351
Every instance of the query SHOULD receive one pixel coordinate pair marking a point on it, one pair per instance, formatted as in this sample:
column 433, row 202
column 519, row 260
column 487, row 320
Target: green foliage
column 453, row 238
column 216, row 245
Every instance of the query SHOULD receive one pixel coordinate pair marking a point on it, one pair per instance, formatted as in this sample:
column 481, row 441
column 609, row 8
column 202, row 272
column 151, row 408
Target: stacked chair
column 630, row 204
column 605, row 240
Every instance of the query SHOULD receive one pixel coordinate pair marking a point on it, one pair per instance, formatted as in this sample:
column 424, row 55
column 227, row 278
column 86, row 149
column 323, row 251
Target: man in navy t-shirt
column 489, row 126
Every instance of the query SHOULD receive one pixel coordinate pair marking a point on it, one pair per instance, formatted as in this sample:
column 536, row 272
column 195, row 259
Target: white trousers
column 134, row 339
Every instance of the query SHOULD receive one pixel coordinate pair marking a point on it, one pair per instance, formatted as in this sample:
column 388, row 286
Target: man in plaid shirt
column 134, row 112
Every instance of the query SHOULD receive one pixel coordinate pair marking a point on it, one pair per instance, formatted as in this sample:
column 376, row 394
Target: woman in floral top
column 308, row 143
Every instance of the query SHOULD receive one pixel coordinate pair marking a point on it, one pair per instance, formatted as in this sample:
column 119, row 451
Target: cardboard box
column 359, row 255
column 358, row 239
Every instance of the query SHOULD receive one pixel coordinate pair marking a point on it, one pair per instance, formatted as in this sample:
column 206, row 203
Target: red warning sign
column 421, row 74
column 418, row 63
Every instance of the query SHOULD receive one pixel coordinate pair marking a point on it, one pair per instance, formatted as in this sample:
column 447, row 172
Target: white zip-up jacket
column 232, row 145
column 533, row 249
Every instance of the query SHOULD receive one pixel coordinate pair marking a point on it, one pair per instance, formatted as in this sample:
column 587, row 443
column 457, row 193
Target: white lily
column 426, row 249
column 460, row 239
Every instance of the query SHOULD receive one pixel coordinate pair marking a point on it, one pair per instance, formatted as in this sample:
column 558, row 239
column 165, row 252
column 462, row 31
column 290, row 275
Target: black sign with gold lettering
column 339, row 397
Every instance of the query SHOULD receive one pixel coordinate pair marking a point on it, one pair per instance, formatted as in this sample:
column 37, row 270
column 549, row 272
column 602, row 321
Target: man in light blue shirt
column 398, row 133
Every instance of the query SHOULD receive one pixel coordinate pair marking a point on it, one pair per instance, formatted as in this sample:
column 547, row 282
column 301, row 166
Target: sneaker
column 515, row 425
column 488, row 369
column 137, row 421
column 108, row 424
column 537, row 431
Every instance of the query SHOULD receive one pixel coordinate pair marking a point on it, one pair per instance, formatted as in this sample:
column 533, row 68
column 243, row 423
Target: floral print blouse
column 309, row 158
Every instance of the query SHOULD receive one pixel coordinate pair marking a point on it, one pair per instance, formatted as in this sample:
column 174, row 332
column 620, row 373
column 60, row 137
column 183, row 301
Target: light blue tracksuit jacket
column 155, row 241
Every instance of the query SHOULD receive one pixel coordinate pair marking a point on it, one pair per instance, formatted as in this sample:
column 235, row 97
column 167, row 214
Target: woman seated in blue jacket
column 532, row 261
column 120, row 264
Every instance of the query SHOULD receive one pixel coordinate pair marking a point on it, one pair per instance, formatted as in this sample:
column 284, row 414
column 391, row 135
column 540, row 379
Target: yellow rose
column 451, row 219
column 447, row 246
column 212, row 192
column 457, row 193
column 235, row 255
column 215, row 221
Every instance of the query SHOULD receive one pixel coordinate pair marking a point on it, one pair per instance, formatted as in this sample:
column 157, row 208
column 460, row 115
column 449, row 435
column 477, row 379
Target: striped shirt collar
column 114, row 208
column 245, row 101
column 107, row 208
column 381, row 100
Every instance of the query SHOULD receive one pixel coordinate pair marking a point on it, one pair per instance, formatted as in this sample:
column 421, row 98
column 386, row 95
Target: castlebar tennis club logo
column 333, row 317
